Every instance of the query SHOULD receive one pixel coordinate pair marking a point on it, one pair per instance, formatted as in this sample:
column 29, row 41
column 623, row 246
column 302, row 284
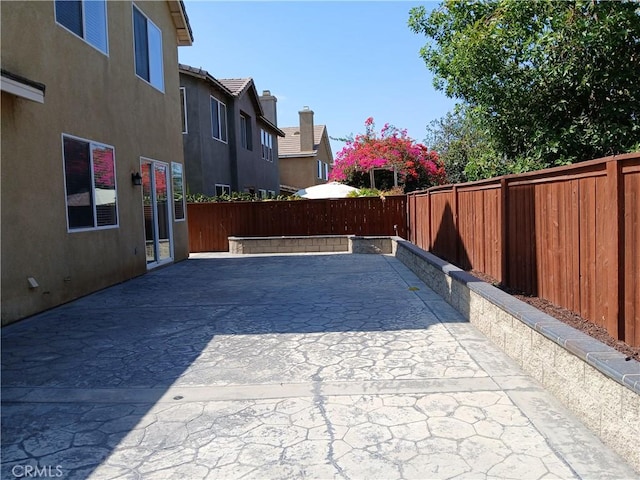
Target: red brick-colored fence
column 210, row 224
column 570, row 235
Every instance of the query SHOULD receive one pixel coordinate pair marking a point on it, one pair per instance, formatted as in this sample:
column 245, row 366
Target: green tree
column 465, row 146
column 554, row 82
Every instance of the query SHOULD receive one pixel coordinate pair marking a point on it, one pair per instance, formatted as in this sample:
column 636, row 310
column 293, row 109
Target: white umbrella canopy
column 327, row 190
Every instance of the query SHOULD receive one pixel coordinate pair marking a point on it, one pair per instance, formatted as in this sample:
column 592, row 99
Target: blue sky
column 345, row 60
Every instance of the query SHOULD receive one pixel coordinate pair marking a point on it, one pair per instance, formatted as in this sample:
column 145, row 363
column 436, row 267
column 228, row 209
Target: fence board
column 631, row 253
column 569, row 234
column 210, row 224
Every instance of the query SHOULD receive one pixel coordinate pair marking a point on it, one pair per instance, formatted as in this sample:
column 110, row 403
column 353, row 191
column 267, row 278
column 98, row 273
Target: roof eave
column 270, row 124
column 204, row 75
column 298, row 155
column 22, row 87
column 184, row 34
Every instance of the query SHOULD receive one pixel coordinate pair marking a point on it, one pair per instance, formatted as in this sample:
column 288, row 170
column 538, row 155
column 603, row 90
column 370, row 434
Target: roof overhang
column 204, row 75
column 22, row 87
column 184, row 34
column 275, row 129
column 298, row 155
column 288, row 189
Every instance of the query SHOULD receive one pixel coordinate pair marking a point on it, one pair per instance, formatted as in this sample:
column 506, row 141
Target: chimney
column 268, row 102
column 306, row 129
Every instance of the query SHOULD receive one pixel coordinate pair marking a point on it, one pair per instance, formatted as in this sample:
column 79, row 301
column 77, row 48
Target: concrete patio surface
column 329, row 366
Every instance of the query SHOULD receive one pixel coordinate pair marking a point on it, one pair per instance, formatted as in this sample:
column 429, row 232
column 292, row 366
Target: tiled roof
column 200, row 73
column 235, row 85
column 290, row 144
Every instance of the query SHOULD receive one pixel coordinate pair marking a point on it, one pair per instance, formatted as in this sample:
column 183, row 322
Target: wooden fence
column 570, row 235
column 210, row 224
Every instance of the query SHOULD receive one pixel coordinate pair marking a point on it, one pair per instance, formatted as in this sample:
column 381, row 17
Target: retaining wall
column 311, row 244
column 599, row 384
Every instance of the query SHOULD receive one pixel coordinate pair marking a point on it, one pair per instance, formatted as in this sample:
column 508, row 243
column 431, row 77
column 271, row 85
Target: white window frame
column 226, row 118
column 272, row 194
column 93, row 185
column 183, row 96
column 159, row 57
column 266, row 139
column 225, row 189
column 173, row 192
column 326, row 171
column 245, row 131
column 84, row 26
column 319, row 169
column 262, row 193
column 169, row 184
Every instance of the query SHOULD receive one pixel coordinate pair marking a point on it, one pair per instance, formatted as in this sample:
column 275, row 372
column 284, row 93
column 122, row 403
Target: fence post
column 504, row 234
column 429, row 236
column 410, row 220
column 614, row 218
column 456, row 226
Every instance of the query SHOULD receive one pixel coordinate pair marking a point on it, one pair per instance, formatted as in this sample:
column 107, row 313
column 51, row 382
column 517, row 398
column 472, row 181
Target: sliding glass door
column 157, row 216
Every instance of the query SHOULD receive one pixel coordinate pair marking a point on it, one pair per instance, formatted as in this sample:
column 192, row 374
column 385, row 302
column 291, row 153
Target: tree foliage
column 553, row 82
column 392, row 148
column 465, row 146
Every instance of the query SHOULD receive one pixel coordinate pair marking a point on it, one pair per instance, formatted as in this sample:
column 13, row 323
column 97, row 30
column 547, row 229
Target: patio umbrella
column 327, row 190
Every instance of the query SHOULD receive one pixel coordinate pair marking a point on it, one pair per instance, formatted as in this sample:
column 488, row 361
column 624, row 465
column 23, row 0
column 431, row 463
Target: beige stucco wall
column 302, row 172
column 299, row 172
column 92, row 96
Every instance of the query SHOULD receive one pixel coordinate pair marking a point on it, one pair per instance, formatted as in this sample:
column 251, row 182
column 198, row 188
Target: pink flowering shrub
column 417, row 166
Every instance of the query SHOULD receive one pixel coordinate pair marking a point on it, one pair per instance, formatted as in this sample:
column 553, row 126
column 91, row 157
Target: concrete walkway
column 267, row 367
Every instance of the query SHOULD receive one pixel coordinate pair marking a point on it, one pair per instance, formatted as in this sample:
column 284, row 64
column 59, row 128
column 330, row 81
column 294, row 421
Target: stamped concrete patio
column 278, row 366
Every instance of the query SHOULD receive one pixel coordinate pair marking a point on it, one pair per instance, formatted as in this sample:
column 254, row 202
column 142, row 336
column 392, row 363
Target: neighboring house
column 92, row 161
column 305, row 154
column 229, row 143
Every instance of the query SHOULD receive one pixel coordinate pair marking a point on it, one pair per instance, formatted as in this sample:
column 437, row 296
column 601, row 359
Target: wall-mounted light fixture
column 136, row 179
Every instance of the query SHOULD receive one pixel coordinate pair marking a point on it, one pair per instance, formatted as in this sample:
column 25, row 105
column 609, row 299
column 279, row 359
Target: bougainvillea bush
column 417, row 166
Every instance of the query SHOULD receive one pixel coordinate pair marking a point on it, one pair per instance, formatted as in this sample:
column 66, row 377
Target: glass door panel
column 162, row 212
column 157, row 220
column 149, row 217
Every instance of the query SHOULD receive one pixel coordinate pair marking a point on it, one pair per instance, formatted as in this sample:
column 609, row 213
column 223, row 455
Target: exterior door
column 157, row 216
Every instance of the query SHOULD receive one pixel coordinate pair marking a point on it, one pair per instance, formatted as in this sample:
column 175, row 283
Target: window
column 87, row 19
column 218, row 120
column 177, row 181
column 272, row 194
column 222, row 190
column 326, row 171
column 262, row 193
column 183, row 108
column 90, row 184
column 245, row 131
column 320, row 168
column 147, row 43
column 267, row 145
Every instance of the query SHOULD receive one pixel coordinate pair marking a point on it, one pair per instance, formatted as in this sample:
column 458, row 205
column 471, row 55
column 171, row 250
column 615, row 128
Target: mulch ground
column 566, row 316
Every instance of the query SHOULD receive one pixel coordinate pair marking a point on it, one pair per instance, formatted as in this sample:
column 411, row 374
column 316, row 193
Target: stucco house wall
column 92, row 96
column 210, row 161
column 254, row 173
column 300, row 151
